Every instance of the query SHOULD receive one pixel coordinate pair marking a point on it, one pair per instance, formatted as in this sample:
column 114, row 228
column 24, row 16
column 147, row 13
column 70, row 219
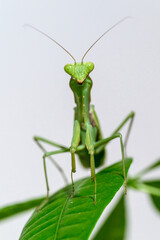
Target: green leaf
column 113, row 227
column 144, row 187
column 148, row 169
column 155, row 199
column 66, row 217
column 16, row 208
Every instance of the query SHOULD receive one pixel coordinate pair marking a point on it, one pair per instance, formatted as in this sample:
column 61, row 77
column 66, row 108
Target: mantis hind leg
column 130, row 117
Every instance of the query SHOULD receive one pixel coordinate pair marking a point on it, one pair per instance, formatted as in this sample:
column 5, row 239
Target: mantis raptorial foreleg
column 93, row 176
column 90, row 147
column 38, row 139
column 74, row 145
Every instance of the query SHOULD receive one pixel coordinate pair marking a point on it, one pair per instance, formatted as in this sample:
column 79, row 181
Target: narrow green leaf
column 113, row 227
column 155, row 199
column 148, row 169
column 144, row 187
column 66, row 217
column 16, row 208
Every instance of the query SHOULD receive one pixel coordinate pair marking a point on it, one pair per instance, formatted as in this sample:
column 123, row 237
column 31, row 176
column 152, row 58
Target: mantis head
column 79, row 71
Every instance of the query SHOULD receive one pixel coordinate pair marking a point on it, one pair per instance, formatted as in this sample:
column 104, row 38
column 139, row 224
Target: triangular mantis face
column 79, row 71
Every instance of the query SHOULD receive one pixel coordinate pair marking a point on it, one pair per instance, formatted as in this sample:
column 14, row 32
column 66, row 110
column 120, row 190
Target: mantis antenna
column 36, row 29
column 123, row 19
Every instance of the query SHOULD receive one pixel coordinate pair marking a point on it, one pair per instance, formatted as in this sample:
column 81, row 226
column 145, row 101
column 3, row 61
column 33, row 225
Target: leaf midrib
column 60, row 217
column 64, row 207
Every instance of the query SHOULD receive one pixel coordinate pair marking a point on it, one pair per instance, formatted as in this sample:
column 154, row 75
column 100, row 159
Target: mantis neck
column 82, row 99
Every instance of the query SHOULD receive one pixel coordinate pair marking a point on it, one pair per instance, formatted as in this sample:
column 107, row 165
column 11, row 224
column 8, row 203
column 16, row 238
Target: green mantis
column 87, row 141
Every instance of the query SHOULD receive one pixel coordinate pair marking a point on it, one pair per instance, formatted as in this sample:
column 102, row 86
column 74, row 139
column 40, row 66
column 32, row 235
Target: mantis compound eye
column 68, row 68
column 90, row 66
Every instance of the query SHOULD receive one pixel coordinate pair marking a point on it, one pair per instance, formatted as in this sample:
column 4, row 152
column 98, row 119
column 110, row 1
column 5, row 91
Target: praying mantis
column 87, row 141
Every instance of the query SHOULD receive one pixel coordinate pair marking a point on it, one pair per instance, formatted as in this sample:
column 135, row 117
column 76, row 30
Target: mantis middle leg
column 104, row 142
column 49, row 154
column 38, row 139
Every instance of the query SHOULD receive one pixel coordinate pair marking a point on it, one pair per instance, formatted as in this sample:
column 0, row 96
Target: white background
column 35, row 97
